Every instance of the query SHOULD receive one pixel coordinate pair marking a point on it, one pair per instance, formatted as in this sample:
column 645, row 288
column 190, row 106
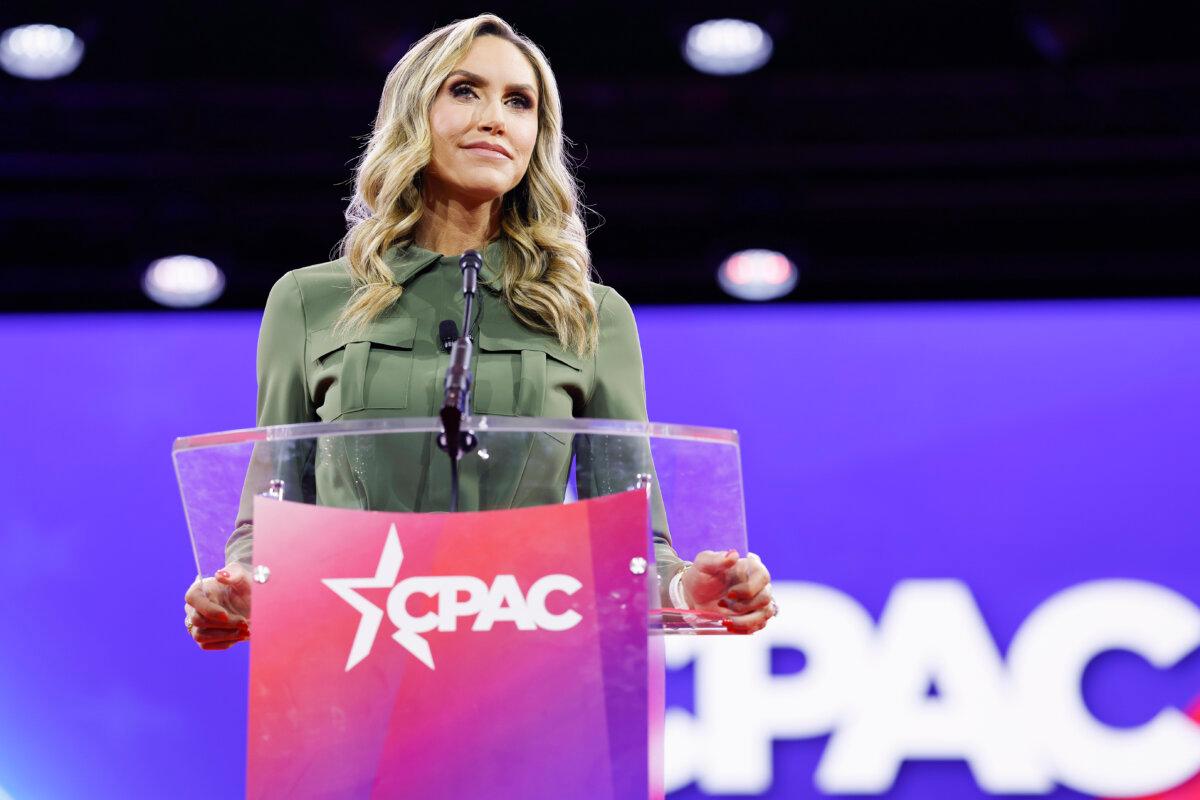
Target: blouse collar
column 408, row 260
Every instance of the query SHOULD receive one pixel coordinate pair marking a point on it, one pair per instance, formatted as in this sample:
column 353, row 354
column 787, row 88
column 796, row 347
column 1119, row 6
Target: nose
column 491, row 116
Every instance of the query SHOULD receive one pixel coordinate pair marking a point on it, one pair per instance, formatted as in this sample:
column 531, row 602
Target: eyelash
column 526, row 103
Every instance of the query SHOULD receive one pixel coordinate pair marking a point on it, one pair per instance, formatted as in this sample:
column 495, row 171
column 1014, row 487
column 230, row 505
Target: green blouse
column 396, row 366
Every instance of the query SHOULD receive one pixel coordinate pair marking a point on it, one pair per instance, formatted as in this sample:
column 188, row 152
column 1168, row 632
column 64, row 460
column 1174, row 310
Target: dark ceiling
column 893, row 150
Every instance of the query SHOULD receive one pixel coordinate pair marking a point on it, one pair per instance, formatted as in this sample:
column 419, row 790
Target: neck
column 452, row 226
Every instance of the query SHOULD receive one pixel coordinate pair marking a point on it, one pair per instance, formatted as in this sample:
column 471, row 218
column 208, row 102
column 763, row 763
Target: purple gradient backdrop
column 1021, row 447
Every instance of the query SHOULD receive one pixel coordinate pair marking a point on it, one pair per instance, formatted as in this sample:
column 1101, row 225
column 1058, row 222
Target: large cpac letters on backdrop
column 1020, row 727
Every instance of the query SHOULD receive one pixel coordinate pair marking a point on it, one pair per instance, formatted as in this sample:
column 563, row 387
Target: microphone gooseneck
column 455, row 403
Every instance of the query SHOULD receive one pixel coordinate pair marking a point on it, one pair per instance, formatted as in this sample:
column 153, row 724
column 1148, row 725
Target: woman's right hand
column 217, row 609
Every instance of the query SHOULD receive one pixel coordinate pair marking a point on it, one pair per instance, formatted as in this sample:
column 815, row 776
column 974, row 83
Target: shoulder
column 612, row 310
column 330, row 279
column 617, row 328
column 317, row 292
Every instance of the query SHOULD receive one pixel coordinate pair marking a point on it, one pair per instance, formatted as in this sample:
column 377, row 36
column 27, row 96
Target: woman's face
column 484, row 124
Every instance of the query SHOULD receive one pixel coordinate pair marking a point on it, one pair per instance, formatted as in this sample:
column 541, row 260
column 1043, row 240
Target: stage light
column 183, row 281
column 40, row 52
column 727, row 47
column 758, row 275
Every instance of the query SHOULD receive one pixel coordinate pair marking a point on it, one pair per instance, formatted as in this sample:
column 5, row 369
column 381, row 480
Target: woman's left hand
column 739, row 589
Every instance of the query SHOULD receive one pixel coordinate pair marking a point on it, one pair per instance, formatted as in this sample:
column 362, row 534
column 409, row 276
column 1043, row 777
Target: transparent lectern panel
column 211, row 480
column 701, row 485
column 693, row 476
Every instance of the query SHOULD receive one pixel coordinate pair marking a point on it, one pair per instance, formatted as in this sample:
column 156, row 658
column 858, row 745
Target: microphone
column 458, row 380
column 447, row 333
column 458, row 375
column 470, row 264
column 456, row 399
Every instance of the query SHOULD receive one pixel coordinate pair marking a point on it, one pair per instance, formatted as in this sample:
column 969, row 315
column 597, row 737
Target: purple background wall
column 1020, row 447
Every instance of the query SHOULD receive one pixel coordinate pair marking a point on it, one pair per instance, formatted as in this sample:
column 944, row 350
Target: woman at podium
column 467, row 152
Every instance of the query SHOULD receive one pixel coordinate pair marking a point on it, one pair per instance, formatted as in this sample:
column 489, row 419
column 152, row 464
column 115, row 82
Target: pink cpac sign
column 450, row 655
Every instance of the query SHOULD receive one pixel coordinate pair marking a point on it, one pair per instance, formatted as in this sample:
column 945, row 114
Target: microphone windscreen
column 471, row 260
column 448, row 333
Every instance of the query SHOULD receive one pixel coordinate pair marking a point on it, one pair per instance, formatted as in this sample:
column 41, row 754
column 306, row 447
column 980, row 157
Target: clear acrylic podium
column 506, row 650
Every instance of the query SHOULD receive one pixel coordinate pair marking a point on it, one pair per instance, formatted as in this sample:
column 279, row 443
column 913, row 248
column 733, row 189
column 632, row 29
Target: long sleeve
column 283, row 396
column 619, row 392
column 283, row 399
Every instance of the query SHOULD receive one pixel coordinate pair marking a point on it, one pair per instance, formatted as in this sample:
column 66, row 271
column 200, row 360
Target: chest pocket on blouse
column 367, row 368
column 524, row 376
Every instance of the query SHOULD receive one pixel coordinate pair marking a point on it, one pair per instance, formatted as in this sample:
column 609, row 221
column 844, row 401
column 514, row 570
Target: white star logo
column 372, row 615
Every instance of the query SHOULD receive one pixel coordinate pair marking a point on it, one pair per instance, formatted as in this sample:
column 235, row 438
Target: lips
column 488, row 147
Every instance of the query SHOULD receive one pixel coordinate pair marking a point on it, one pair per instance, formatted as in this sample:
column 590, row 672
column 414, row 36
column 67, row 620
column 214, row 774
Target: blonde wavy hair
column 547, row 266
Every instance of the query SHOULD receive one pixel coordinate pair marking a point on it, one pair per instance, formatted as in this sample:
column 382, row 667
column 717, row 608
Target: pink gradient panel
column 504, row 712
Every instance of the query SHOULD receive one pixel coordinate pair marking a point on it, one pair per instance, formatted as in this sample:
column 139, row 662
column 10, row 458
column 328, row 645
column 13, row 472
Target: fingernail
column 731, row 553
column 222, row 573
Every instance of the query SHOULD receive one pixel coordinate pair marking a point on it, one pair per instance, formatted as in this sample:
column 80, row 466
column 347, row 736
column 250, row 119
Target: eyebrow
column 482, row 81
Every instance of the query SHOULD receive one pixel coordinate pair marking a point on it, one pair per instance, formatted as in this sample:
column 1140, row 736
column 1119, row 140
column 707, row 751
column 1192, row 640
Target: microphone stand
column 453, row 439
